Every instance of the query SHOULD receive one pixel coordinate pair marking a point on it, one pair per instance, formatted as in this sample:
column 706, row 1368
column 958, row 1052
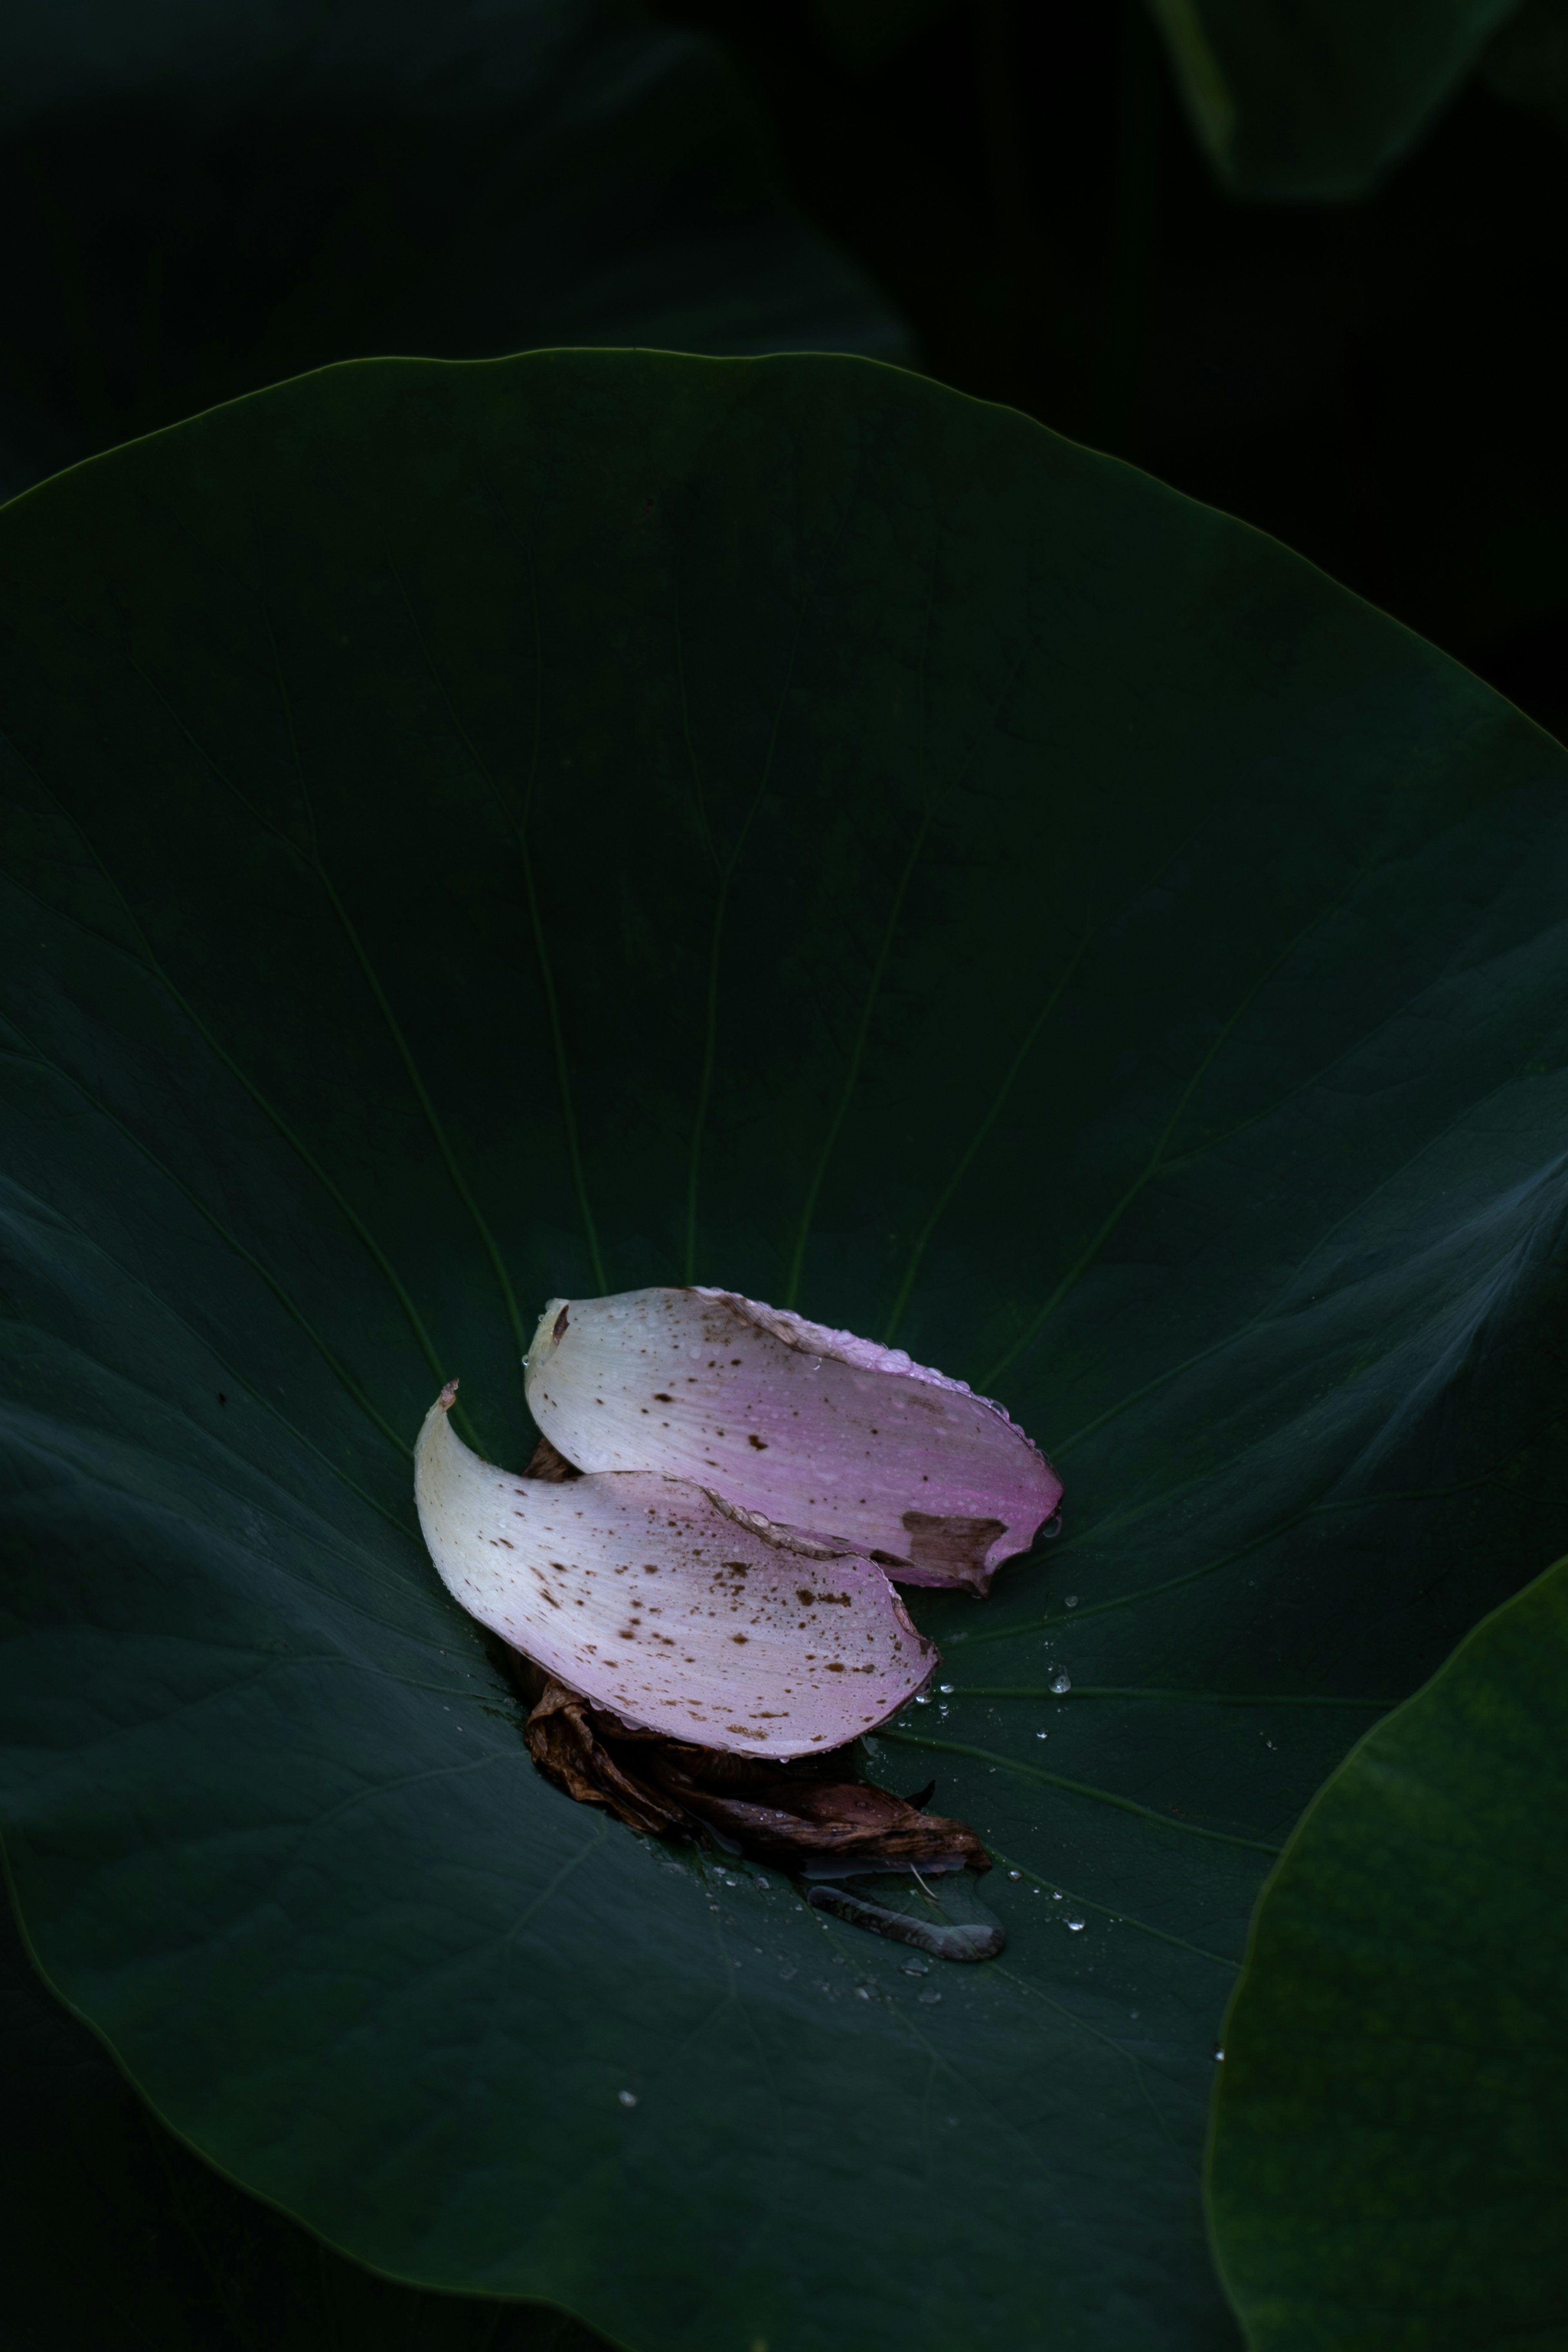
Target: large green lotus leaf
column 1389, row 2165
column 201, row 200
column 1317, row 99
column 474, row 832
column 114, row 2237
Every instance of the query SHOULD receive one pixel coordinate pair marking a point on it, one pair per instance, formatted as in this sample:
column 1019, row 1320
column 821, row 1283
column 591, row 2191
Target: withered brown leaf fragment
column 804, row 1813
column 563, row 1743
column 545, row 1463
column 791, row 1823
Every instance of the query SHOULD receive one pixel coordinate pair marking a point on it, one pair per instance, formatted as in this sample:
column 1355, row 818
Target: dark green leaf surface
column 1389, row 2163
column 201, row 201
column 114, row 2238
column 473, row 832
column 1316, row 100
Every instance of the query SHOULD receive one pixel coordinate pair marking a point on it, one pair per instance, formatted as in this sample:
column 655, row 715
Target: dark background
column 1372, row 383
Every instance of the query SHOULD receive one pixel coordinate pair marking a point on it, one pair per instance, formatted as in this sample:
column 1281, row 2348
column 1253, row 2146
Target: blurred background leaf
column 1376, row 384
column 201, row 201
column 1389, row 2162
column 1527, row 61
column 1315, row 100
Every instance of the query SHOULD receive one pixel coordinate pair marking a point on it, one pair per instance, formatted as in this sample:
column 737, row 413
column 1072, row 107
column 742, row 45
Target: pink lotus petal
column 642, row 1595
column 813, row 1430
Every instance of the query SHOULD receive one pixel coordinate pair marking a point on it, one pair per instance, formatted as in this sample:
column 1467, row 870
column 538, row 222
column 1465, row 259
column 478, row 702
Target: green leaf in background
column 477, row 832
column 1315, row 101
column 115, row 2238
column 863, row 32
column 201, row 201
column 1389, row 2164
column 1527, row 61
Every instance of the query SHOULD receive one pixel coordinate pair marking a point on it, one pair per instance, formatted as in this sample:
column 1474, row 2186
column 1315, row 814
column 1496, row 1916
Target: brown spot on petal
column 953, row 1549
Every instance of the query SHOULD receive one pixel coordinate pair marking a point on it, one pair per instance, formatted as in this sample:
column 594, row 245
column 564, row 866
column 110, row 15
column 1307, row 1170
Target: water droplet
column 627, row 2098
column 732, row 1882
column 917, row 1968
column 1134, row 2012
column 1015, row 1874
column 1071, row 1600
column 929, row 2000
column 862, row 1992
column 920, row 1702
column 946, row 1689
column 1056, row 1894
column 1051, row 1529
column 816, row 1363
column 1042, row 1734
column 1076, row 1923
column 1219, row 2053
column 1061, row 1684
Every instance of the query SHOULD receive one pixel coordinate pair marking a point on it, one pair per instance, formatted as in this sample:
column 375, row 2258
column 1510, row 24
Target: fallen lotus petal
column 640, row 1593
column 793, row 1822
column 812, row 1431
